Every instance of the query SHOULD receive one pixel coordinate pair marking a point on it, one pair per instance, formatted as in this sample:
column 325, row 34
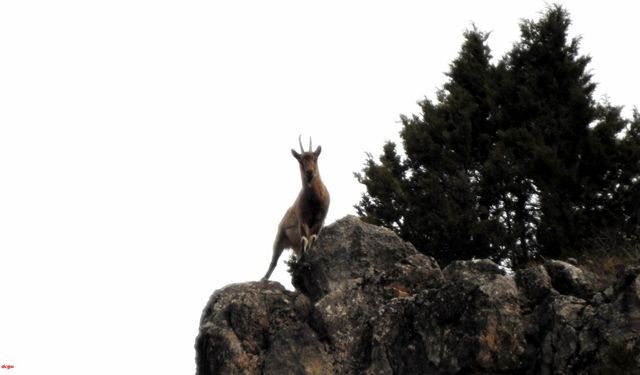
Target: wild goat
column 301, row 223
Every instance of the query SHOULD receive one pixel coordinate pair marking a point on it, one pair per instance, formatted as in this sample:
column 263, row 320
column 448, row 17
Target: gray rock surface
column 369, row 303
column 259, row 328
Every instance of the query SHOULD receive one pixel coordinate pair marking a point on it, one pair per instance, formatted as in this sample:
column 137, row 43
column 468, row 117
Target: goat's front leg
column 312, row 240
column 315, row 230
column 304, row 238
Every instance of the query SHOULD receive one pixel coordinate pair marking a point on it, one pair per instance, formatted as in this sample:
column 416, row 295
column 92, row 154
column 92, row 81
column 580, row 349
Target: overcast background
column 144, row 148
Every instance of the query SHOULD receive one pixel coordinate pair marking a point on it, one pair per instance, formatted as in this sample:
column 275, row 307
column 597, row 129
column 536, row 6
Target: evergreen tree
column 549, row 95
column 514, row 160
column 385, row 202
column 435, row 190
column 624, row 186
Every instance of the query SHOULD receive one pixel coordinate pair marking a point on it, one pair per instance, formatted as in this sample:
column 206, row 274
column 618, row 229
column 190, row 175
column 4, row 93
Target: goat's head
column 308, row 161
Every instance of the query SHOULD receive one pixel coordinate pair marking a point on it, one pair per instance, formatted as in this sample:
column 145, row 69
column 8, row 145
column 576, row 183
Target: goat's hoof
column 312, row 240
column 304, row 244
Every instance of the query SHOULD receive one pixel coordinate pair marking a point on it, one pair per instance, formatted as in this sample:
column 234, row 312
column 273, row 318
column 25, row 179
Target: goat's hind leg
column 278, row 247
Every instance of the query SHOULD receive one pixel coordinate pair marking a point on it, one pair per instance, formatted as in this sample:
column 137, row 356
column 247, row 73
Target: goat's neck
column 312, row 188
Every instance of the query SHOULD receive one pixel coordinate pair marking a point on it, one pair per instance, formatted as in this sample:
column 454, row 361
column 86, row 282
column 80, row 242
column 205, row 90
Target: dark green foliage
column 514, row 160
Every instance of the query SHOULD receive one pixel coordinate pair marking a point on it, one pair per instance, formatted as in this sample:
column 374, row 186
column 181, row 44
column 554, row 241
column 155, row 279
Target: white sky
column 144, row 149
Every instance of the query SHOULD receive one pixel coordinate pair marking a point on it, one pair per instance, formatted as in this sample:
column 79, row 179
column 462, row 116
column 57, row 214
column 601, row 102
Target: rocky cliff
column 369, row 303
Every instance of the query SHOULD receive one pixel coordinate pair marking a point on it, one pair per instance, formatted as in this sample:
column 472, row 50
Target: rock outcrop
column 369, row 303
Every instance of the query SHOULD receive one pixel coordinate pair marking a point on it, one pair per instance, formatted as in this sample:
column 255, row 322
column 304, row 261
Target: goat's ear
column 295, row 154
column 317, row 151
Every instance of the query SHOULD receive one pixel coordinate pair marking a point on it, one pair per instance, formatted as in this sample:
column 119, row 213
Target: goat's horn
column 300, row 141
column 309, row 144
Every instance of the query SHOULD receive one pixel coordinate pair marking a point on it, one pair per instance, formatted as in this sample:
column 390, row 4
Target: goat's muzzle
column 309, row 175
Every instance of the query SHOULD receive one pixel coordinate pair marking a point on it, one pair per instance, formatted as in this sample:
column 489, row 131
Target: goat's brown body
column 302, row 222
